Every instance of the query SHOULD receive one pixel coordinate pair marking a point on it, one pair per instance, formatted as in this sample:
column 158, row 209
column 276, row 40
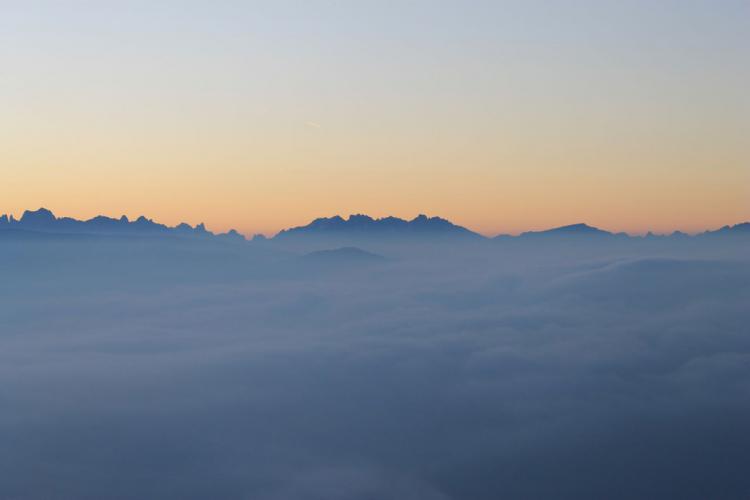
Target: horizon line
column 11, row 217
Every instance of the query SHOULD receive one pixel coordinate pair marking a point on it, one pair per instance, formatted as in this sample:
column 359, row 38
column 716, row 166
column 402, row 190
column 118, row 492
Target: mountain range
column 337, row 228
column 44, row 221
column 364, row 226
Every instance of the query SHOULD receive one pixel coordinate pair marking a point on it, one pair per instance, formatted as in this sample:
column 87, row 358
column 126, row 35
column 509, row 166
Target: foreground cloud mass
column 157, row 369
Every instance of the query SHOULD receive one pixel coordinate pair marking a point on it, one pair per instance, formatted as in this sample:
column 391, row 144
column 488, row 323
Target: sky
column 502, row 116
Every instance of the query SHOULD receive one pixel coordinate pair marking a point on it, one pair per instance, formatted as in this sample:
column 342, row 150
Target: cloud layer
column 505, row 376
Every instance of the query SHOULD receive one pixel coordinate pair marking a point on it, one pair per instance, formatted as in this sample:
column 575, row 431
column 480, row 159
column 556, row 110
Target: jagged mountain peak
column 41, row 215
column 362, row 225
column 44, row 220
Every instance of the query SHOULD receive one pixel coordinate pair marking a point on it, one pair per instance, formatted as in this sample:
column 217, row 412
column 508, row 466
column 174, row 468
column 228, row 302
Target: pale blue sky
column 502, row 115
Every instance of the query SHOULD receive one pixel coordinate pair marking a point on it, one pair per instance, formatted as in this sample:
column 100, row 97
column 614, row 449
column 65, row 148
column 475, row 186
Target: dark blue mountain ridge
column 363, row 225
column 579, row 229
column 356, row 226
column 43, row 220
column 738, row 229
column 349, row 254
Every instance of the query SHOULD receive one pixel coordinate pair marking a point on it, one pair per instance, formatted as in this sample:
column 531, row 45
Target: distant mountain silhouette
column 388, row 227
column 44, row 221
column 347, row 254
column 344, row 259
column 322, row 233
column 738, row 229
column 571, row 230
column 341, row 258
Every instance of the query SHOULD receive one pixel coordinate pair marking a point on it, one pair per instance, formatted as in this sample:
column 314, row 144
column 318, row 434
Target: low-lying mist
column 157, row 368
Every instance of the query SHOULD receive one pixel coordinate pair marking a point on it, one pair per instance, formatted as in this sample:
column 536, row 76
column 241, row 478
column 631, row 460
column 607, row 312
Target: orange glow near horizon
column 502, row 118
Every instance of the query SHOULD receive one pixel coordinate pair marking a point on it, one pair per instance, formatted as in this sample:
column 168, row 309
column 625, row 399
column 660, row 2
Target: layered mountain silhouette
column 337, row 231
column 738, row 229
column 388, row 227
column 44, row 221
column 571, row 230
column 350, row 254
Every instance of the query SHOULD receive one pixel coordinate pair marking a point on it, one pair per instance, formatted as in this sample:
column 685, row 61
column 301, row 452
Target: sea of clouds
column 132, row 373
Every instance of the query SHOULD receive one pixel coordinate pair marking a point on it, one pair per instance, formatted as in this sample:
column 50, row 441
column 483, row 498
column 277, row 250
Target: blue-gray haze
column 135, row 367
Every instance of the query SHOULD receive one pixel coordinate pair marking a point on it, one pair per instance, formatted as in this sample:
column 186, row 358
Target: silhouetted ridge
column 738, row 229
column 44, row 221
column 344, row 254
column 336, row 229
column 580, row 229
column 38, row 218
column 365, row 226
